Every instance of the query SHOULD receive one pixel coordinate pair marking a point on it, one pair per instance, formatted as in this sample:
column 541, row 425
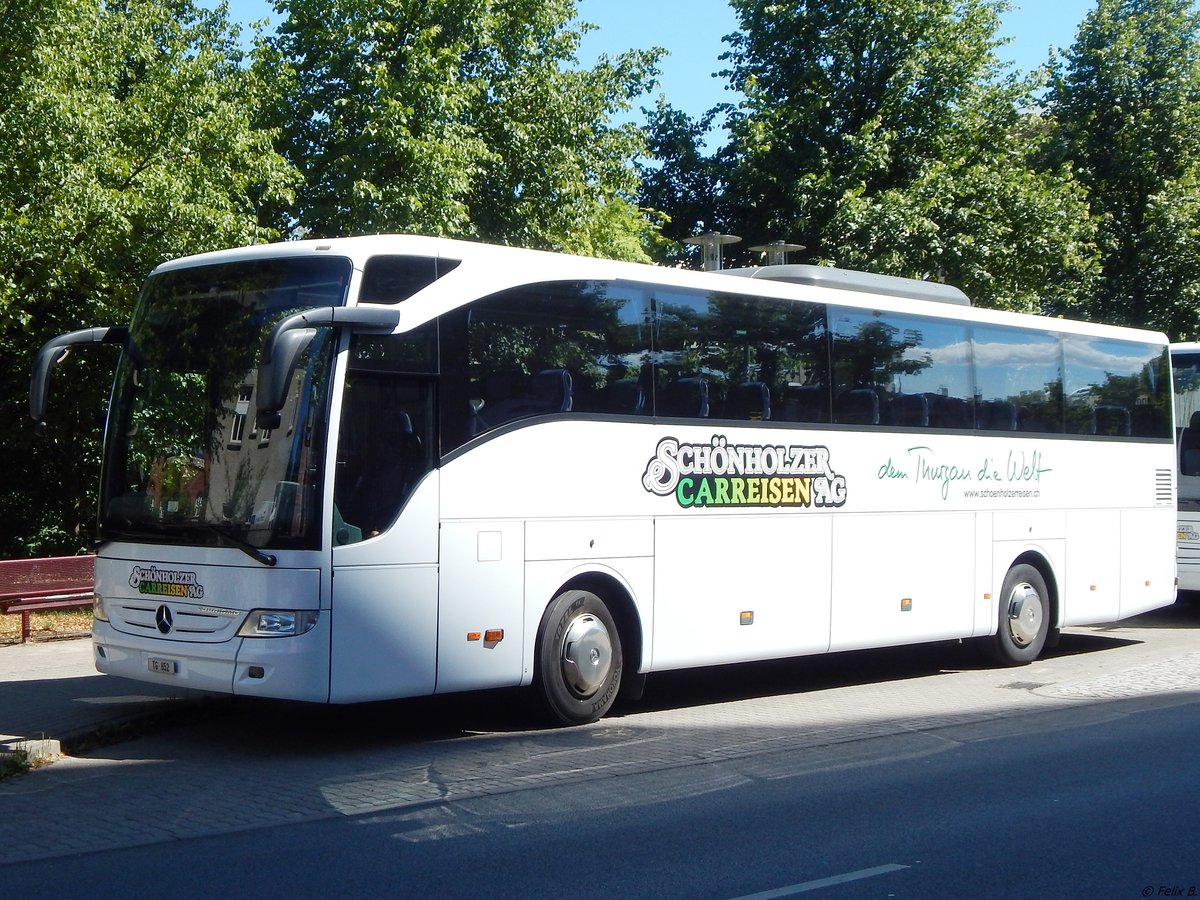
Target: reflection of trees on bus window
column 1114, row 387
column 742, row 358
column 892, row 369
column 544, row 350
column 672, row 352
column 183, row 448
column 1019, row 375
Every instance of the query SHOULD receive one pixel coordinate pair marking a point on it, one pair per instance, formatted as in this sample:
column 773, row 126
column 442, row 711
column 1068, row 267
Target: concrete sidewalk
column 51, row 693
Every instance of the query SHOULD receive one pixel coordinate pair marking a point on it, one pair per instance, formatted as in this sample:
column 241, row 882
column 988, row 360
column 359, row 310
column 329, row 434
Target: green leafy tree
column 880, row 135
column 1126, row 107
column 124, row 140
column 465, row 118
column 678, row 177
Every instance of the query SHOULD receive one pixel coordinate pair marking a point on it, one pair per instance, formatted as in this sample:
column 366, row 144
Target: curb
column 28, row 751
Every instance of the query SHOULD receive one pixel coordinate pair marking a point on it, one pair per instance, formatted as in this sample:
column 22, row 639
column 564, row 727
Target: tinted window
column 412, row 351
column 543, row 350
column 907, row 371
column 391, row 279
column 1115, row 388
column 741, row 358
column 641, row 349
column 1185, row 368
column 1019, row 377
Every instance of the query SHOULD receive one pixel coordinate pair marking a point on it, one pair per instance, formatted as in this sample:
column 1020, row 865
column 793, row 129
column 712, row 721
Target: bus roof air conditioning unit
column 850, row 280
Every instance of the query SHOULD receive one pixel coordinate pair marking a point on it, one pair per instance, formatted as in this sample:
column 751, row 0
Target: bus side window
column 901, row 370
column 543, row 350
column 1115, row 388
column 741, row 358
column 1019, row 375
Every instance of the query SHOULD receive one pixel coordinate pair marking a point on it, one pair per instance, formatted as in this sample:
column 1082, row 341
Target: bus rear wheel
column 1024, row 617
column 579, row 658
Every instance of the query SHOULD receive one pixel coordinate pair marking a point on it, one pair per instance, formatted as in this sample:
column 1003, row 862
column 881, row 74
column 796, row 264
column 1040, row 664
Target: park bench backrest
column 55, row 573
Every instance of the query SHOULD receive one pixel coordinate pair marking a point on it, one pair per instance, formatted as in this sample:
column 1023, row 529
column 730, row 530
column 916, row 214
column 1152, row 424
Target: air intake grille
column 1163, row 486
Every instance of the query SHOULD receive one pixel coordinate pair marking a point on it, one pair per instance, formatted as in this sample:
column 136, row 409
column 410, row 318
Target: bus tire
column 579, row 658
column 1024, row 617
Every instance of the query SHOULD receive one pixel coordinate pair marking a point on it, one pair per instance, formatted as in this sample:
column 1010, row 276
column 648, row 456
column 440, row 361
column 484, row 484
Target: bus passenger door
column 385, row 532
column 385, row 601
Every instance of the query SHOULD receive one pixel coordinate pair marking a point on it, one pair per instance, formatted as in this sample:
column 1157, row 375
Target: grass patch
column 14, row 764
column 47, row 625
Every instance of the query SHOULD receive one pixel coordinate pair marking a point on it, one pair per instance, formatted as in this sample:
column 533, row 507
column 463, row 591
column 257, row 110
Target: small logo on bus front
column 164, row 619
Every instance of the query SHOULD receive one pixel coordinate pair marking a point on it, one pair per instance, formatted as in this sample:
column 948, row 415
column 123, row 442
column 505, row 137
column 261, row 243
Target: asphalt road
column 907, row 773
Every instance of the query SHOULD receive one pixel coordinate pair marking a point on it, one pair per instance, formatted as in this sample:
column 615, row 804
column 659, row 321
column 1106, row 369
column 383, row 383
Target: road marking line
column 805, row 886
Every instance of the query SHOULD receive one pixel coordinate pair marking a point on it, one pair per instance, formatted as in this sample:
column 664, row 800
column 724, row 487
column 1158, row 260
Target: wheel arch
column 620, row 603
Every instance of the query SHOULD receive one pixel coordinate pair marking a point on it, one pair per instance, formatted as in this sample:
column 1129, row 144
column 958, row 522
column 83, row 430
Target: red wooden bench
column 38, row 585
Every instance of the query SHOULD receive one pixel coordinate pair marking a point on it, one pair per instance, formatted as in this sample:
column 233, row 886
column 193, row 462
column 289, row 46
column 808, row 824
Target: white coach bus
column 1185, row 367
column 392, row 466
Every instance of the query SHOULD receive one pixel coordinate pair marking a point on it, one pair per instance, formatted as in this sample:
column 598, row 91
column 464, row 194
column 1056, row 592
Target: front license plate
column 163, row 666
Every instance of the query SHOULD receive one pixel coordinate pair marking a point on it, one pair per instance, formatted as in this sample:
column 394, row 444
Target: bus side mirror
column 56, row 350
column 275, row 374
column 288, row 339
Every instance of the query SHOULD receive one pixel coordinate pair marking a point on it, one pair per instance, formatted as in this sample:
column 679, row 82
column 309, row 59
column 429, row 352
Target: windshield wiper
column 172, row 533
column 267, row 559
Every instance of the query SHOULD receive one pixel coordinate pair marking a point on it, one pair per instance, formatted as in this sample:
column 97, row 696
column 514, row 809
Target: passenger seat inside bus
column 625, row 395
column 949, row 412
column 805, row 403
column 996, row 415
column 909, row 410
column 508, row 396
column 858, row 406
column 684, row 397
column 750, row 400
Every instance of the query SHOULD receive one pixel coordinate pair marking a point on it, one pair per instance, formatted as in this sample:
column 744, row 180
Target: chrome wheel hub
column 1024, row 614
column 586, row 655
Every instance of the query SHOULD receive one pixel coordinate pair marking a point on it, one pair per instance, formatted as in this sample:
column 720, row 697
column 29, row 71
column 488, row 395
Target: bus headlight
column 98, row 611
column 278, row 622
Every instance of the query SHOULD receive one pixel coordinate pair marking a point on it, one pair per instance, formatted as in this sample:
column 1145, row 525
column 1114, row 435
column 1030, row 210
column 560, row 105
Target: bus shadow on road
column 448, row 717
column 1074, row 644
column 746, row 681
column 1183, row 613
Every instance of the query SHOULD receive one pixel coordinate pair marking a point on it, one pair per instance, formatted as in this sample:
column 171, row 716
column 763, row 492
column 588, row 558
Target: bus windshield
column 185, row 460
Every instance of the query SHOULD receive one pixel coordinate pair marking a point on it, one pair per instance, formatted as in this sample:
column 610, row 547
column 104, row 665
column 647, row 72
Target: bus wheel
column 1024, row 617
column 579, row 658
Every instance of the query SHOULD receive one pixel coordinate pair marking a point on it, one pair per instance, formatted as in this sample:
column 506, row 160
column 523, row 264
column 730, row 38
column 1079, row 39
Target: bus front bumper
column 284, row 668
